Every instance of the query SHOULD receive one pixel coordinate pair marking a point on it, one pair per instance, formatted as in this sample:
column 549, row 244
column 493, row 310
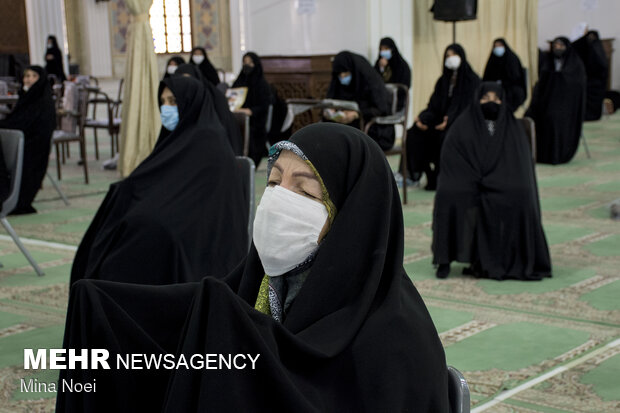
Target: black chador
column 181, row 215
column 367, row 89
column 357, row 337
column 558, row 104
column 35, row 115
column 452, row 94
column 590, row 49
column 487, row 211
column 504, row 66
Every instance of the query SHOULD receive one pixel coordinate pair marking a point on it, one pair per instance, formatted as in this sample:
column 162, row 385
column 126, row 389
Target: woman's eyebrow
column 309, row 175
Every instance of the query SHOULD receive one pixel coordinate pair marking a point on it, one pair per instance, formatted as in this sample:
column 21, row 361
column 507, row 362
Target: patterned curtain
column 514, row 20
column 141, row 121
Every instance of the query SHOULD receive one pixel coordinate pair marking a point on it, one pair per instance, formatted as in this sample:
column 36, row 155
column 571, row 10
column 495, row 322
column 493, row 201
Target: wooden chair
column 530, row 131
column 395, row 118
column 112, row 121
column 73, row 129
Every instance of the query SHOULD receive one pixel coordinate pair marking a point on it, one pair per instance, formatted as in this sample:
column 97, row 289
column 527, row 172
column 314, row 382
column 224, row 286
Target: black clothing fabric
column 357, row 337
column 424, row 147
column 35, row 115
column 226, row 118
column 53, row 60
column 206, row 67
column 558, row 107
column 176, row 59
column 367, row 89
column 181, row 214
column 397, row 70
column 257, row 100
column 487, row 210
column 507, row 69
column 590, row 49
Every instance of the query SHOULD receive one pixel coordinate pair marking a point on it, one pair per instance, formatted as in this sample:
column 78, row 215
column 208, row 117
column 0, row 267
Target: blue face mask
column 345, row 81
column 499, row 51
column 169, row 116
column 386, row 54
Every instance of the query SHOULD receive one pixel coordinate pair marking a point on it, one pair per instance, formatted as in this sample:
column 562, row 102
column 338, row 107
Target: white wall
column 98, row 48
column 559, row 17
column 46, row 17
column 275, row 27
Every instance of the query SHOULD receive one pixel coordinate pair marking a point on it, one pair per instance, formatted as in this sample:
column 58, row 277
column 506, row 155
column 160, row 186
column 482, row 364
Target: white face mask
column 453, row 62
column 286, row 229
column 198, row 58
column 26, row 88
column 171, row 69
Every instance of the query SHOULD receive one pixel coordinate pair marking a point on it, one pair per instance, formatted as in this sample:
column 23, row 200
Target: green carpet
column 499, row 334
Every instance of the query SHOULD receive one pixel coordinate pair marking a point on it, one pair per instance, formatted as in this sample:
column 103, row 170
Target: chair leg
column 63, row 148
column 85, row 163
column 96, row 144
column 55, row 185
column 21, row 246
column 585, row 145
column 58, row 162
column 68, row 150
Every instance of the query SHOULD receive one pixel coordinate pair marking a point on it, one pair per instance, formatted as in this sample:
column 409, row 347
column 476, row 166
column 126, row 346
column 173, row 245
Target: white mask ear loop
column 286, row 229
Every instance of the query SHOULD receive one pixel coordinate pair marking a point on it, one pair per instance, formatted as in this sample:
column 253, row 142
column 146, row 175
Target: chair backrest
column 70, row 103
column 12, row 142
column 269, row 118
column 530, row 131
column 396, row 89
column 248, row 170
column 458, row 391
column 243, row 121
column 4, row 88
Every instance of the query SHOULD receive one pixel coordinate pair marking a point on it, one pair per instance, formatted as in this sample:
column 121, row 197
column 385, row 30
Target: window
column 170, row 22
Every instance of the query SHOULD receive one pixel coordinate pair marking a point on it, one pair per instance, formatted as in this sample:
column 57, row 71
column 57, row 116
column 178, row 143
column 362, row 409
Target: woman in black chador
column 200, row 59
column 256, row 104
column 487, row 211
column 181, row 214
column 332, row 334
column 558, row 104
column 353, row 78
column 53, row 59
column 590, row 49
column 220, row 104
column 392, row 67
column 505, row 67
column 452, row 94
column 172, row 65
column 35, row 115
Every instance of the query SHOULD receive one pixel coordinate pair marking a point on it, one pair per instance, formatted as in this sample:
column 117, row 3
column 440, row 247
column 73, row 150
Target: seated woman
column 256, row 104
column 558, row 104
column 173, row 64
column 353, row 78
column 327, row 334
column 35, row 115
column 163, row 224
column 590, row 49
column 200, row 59
column 452, row 94
column 504, row 67
column 487, row 211
column 392, row 67
column 226, row 118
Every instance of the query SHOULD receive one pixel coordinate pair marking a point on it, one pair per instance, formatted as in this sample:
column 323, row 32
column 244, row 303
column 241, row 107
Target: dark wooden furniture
column 300, row 77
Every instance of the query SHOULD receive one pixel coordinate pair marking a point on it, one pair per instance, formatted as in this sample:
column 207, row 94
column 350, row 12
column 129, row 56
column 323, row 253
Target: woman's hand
column 442, row 125
column 419, row 124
